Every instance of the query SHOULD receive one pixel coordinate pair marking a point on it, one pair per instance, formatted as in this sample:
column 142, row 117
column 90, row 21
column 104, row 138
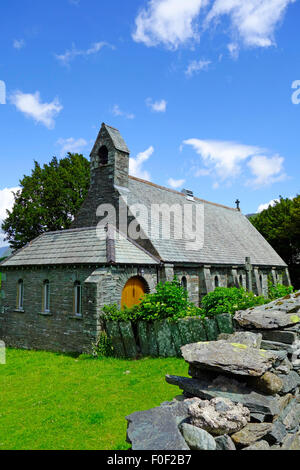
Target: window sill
column 46, row 314
column 19, row 310
column 76, row 317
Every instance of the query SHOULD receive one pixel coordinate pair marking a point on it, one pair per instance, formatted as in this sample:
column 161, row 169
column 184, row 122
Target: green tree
column 48, row 199
column 280, row 225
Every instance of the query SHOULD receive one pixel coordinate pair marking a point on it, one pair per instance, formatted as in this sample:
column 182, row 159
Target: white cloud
column 157, row 106
column 234, row 50
column 224, row 161
column 71, row 145
column 136, row 164
column 175, row 184
column 262, row 207
column 197, row 66
column 168, row 22
column 173, row 23
column 252, row 21
column 222, row 156
column 19, row 44
column 71, row 54
column 116, row 111
column 267, row 170
column 6, row 203
column 31, row 106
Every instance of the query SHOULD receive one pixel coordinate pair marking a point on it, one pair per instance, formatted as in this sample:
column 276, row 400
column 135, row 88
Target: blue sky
column 201, row 91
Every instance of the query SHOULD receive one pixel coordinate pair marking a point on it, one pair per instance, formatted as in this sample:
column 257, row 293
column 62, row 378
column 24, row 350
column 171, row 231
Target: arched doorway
column 133, row 292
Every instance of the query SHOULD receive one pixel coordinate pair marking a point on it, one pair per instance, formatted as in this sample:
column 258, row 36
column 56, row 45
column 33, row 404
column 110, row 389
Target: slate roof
column 77, row 246
column 117, row 139
column 229, row 237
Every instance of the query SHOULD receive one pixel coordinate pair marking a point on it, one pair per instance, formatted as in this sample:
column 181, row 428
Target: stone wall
column 58, row 330
column 244, row 390
column 164, row 338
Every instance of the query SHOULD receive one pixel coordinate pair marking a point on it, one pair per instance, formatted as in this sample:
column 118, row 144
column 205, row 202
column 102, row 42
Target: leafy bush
column 278, row 290
column 170, row 301
column 230, row 300
column 103, row 346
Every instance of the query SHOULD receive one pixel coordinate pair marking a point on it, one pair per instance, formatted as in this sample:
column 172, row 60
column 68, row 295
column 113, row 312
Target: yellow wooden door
column 133, row 292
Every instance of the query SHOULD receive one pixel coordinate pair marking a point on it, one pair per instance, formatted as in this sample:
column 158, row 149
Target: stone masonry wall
column 59, row 330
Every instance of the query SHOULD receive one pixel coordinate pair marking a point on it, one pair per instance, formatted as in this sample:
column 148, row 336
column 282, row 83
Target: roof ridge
column 111, row 127
column 179, row 193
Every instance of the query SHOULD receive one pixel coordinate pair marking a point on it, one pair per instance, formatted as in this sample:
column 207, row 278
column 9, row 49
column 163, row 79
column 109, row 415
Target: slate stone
column 211, row 329
column 263, row 318
column 290, row 381
column 196, row 438
column 176, row 338
column 114, row 334
column 185, row 331
column 272, row 345
column 225, row 323
column 197, row 329
column 224, row 443
column 248, row 338
column 276, row 434
column 128, row 339
column 260, row 445
column 164, row 339
column 290, row 418
column 153, row 348
column 251, row 433
column 287, row 337
column 227, row 388
column 268, row 383
column 155, row 429
column 257, row 417
column 143, row 338
column 228, row 357
column 291, row 442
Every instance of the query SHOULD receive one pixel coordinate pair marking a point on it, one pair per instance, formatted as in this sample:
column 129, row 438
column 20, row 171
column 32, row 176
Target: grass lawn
column 55, row 401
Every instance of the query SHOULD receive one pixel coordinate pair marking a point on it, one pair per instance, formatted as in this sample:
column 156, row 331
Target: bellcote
column 110, row 158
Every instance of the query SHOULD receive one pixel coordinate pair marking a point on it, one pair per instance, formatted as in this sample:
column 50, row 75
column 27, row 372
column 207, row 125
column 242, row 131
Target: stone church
column 53, row 289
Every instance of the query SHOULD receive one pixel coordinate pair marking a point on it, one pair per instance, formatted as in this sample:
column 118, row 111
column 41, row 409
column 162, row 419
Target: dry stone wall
column 240, row 395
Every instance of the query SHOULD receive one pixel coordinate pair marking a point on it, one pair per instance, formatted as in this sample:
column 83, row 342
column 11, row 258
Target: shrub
column 170, row 301
column 103, row 346
column 278, row 290
column 230, row 300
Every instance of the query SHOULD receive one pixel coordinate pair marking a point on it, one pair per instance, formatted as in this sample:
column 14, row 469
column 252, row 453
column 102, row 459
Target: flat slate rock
column 248, row 338
column 225, row 443
column 196, row 438
column 260, row 445
column 227, row 387
column 251, row 433
column 232, row 358
column 157, row 428
column 280, row 313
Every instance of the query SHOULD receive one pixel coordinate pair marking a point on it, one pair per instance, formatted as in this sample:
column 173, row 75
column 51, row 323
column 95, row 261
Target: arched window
column 46, row 297
column 184, row 282
column 261, row 282
column 241, row 281
column 77, row 298
column 20, row 295
column 217, row 283
column 103, row 155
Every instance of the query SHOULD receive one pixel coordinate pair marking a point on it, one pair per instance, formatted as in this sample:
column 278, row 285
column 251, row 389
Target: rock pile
column 243, row 392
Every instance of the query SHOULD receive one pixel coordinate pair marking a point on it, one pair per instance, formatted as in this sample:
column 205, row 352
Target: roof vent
column 189, row 194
